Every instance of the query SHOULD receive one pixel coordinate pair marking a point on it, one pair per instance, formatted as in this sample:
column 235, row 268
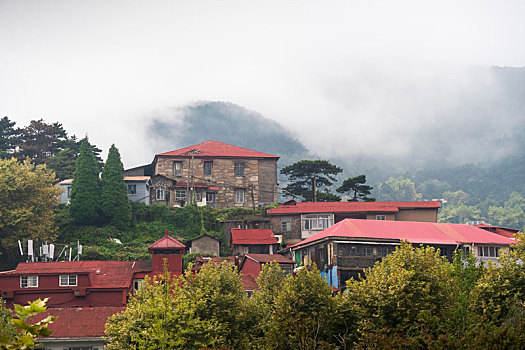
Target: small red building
column 254, row 241
column 251, row 264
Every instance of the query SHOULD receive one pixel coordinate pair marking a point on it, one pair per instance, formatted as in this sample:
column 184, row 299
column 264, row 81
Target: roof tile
column 213, row 148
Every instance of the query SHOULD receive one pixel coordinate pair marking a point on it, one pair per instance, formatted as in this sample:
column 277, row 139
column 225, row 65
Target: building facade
column 295, row 221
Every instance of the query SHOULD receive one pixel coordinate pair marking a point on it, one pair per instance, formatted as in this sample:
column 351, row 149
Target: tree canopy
column 356, row 188
column 114, row 198
column 85, row 189
column 8, row 137
column 303, row 174
column 28, row 197
column 398, row 189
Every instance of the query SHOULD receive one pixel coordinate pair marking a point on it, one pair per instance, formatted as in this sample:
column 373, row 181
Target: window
column 239, row 169
column 177, row 168
column 207, row 168
column 160, row 194
column 317, row 221
column 380, row 217
column 180, row 195
column 239, row 195
column 198, row 195
column 210, row 197
column 137, row 283
column 132, row 189
column 28, row 281
column 69, row 192
column 67, row 280
column 286, row 224
column 488, row 251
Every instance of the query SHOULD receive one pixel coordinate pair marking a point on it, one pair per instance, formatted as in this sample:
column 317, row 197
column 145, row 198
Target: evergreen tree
column 357, row 189
column 8, row 137
column 115, row 202
column 40, row 141
column 85, row 189
column 308, row 176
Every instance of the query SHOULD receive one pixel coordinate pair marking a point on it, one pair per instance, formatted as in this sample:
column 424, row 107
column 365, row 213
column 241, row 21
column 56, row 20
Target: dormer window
column 28, row 281
column 68, row 281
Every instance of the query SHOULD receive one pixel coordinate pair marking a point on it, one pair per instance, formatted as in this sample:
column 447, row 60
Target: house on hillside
column 216, row 174
column 254, row 241
column 205, row 245
column 296, row 221
column 345, row 249
column 251, row 266
column 85, row 293
column 138, row 189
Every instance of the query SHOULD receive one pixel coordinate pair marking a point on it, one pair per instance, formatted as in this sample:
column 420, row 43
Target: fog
column 375, row 78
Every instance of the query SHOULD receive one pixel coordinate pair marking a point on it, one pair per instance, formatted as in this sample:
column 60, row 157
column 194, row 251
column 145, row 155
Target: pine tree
column 85, row 189
column 115, row 202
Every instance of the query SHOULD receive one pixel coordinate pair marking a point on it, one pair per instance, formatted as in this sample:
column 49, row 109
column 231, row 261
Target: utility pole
column 191, row 152
column 314, row 179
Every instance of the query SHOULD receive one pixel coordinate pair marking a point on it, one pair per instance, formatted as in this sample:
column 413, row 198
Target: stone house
column 295, row 221
column 221, row 175
column 205, row 245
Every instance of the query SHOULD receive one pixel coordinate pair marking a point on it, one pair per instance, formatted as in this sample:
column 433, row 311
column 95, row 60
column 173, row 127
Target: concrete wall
column 205, row 245
column 64, row 198
column 422, row 215
column 223, row 176
column 391, row 217
column 142, row 194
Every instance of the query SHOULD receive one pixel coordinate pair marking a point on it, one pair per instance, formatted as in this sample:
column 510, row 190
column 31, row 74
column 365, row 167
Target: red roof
column 78, row 322
column 166, row 242
column 414, row 232
column 249, row 283
column 136, row 178
column 266, row 258
column 350, row 207
column 252, row 236
column 66, row 182
column 213, row 148
column 504, row 231
column 103, row 274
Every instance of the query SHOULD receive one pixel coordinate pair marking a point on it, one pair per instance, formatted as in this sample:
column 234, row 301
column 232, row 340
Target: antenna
column 70, row 252
column 51, row 251
column 30, row 249
column 20, row 246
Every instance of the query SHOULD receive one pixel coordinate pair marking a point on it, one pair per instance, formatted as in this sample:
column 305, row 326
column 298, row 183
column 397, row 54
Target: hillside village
column 342, row 239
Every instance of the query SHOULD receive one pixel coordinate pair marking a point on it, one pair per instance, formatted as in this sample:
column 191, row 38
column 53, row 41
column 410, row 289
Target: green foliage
column 302, row 174
column 324, row 196
column 27, row 332
column 63, row 163
column 27, row 201
column 356, row 188
column 114, row 198
column 512, row 214
column 40, row 140
column 405, row 300
column 433, row 188
column 303, row 316
column 8, row 138
column 459, row 214
column 161, row 316
column 85, row 189
column 398, row 189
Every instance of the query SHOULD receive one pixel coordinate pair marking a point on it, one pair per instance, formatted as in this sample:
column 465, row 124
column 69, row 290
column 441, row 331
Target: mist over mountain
column 465, row 127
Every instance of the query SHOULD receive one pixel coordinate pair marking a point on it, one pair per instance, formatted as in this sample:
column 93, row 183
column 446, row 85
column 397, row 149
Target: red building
column 255, row 241
column 77, row 290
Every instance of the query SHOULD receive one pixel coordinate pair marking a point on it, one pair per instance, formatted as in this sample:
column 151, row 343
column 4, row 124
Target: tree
column 85, row 189
column 115, row 203
column 63, row 163
column 8, row 138
column 511, row 214
column 40, row 141
column 303, row 316
column 405, row 300
column 17, row 333
column 357, row 189
column 27, row 200
column 308, row 176
column 398, row 189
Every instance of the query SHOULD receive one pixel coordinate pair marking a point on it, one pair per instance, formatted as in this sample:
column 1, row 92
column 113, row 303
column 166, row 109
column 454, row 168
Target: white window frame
column 380, row 217
column 28, row 281
column 286, row 224
column 210, row 197
column 160, row 194
column 177, row 168
column 485, row 251
column 179, row 195
column 68, row 280
column 239, row 195
column 316, row 222
column 137, row 284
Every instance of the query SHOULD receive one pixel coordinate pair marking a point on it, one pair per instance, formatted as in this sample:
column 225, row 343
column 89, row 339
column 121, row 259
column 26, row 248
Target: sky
column 323, row 69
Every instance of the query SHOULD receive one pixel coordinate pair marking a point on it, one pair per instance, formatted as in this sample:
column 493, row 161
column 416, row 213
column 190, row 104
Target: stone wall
column 223, row 176
column 205, row 245
column 289, row 237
